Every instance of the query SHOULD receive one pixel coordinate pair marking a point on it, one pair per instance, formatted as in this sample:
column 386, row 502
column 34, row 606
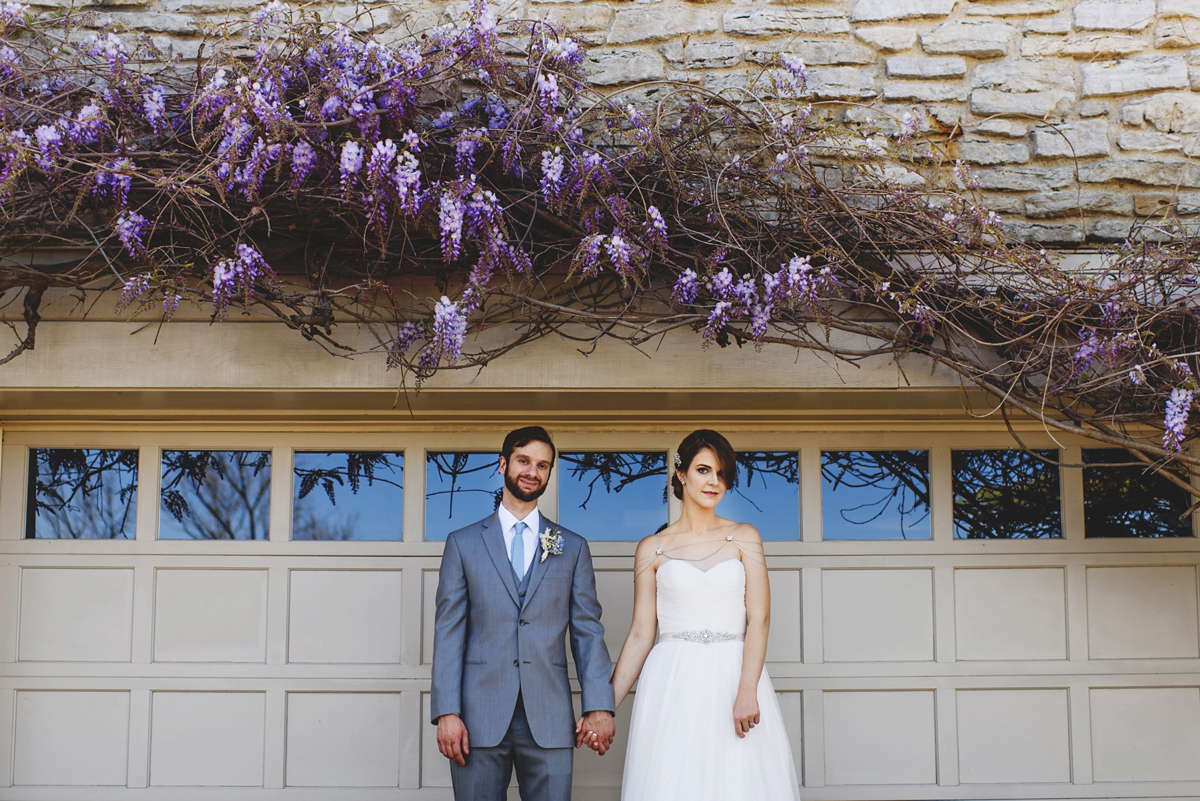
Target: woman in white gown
column 706, row 725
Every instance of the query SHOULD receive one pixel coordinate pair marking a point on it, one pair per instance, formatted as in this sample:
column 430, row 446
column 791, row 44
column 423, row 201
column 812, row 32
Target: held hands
column 745, row 712
column 452, row 738
column 595, row 730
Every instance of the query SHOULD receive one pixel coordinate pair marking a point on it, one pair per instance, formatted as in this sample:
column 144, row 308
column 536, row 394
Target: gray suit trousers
column 543, row 774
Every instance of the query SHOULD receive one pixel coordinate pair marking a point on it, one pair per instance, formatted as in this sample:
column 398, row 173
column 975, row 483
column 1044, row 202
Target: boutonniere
column 552, row 543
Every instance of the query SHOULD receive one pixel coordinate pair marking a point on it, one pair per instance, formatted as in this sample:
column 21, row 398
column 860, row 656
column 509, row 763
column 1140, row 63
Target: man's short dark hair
column 522, row 437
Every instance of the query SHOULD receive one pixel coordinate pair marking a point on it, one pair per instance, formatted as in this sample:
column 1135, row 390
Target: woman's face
column 702, row 481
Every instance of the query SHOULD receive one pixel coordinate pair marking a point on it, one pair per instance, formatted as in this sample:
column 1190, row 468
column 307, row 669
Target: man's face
column 527, row 470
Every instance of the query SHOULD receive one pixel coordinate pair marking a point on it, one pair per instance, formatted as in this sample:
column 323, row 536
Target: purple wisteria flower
column 90, row 125
column 1179, row 406
column 547, row 85
column 656, row 227
column 10, row 64
column 351, row 163
column 721, row 284
column 380, row 163
column 12, row 15
column 154, row 107
column 717, row 321
column 552, row 174
column 237, row 276
column 686, row 288
column 49, row 142
column 304, row 161
column 406, row 335
column 1137, row 375
column 407, row 181
column 134, row 290
column 131, row 229
column 114, row 181
column 620, row 253
column 449, row 329
column 450, row 222
column 111, row 48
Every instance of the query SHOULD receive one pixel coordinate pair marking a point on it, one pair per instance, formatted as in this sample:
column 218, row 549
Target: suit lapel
column 493, row 540
column 539, row 564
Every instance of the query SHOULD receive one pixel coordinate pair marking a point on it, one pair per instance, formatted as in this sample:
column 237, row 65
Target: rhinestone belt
column 704, row 636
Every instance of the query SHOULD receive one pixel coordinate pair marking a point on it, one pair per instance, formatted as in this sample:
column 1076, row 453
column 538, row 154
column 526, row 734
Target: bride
column 706, row 723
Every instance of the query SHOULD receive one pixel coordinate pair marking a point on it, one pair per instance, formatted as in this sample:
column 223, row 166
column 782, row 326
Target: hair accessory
column 678, row 462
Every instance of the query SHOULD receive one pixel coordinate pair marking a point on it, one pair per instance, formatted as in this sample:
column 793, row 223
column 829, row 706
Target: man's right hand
column 452, row 738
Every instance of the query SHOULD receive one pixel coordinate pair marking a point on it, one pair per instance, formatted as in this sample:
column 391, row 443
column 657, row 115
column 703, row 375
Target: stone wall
column 1078, row 116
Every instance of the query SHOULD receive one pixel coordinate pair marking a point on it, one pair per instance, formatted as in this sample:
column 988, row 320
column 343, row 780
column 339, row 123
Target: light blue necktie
column 518, row 549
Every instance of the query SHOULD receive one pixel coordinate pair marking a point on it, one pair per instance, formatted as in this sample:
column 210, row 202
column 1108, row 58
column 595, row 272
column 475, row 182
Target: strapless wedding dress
column 682, row 744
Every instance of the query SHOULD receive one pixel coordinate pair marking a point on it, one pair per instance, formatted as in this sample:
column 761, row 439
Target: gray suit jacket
column 489, row 644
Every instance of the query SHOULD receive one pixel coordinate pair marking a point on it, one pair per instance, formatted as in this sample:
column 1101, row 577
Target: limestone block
column 888, row 38
column 1089, row 45
column 1188, row 203
column 1113, row 15
column 1183, row 8
column 1093, row 108
column 1024, row 75
column 178, row 24
column 360, row 19
column 702, row 55
column 841, row 82
column 651, row 23
column 1009, row 128
column 1002, row 203
column 1131, row 75
column 1051, row 104
column 1044, row 234
column 1149, row 140
column 584, row 21
column 208, row 6
column 979, row 39
column 1151, row 172
column 612, row 67
column 1177, row 32
column 1048, row 25
column 924, row 92
column 1145, row 205
column 1169, row 112
column 1026, row 179
column 1110, row 230
column 760, row 21
column 884, row 10
column 819, row 52
column 1059, row 204
column 989, row 152
column 909, row 67
column 186, row 48
column 1072, row 139
column 1022, row 8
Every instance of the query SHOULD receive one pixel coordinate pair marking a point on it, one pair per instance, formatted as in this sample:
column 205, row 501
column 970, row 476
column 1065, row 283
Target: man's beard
column 521, row 495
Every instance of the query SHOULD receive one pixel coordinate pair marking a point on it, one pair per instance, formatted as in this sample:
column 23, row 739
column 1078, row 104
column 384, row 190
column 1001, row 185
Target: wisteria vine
column 469, row 178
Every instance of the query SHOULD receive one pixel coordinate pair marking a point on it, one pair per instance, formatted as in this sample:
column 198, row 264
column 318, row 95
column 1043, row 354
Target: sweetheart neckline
column 711, row 567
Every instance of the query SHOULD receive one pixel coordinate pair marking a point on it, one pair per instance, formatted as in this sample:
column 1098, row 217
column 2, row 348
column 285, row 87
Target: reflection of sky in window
column 767, row 495
column 1129, row 501
column 352, row 495
column 612, row 496
column 82, row 493
column 1005, row 493
column 460, row 488
column 215, row 495
column 875, row 495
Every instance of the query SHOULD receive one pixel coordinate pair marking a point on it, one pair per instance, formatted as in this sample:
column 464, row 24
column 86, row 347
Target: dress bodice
column 691, row 599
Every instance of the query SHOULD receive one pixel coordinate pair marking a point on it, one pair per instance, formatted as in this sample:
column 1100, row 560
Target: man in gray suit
column 510, row 589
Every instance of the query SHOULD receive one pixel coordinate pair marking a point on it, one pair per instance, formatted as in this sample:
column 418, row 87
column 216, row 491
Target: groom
column 510, row 589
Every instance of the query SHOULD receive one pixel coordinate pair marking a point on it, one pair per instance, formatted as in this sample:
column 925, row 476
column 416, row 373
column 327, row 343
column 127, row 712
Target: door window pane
column 215, row 495
column 348, row 495
column 460, row 488
column 767, row 494
column 1128, row 501
column 1005, row 494
column 78, row 493
column 875, row 495
column 613, row 495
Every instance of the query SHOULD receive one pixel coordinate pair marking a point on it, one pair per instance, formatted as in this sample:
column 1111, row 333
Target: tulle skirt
column 682, row 745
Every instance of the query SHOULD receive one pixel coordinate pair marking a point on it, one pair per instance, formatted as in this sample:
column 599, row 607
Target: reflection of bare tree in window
column 77, row 493
column 218, row 495
column 336, row 473
column 1006, row 494
column 615, row 471
column 1122, row 499
column 761, row 465
column 884, row 481
column 455, row 466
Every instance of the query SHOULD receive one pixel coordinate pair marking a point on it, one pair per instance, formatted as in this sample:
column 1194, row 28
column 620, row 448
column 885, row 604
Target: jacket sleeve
column 592, row 661
column 449, row 634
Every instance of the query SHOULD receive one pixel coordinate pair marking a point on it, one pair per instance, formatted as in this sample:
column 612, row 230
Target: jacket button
column 516, row 663
column 524, row 622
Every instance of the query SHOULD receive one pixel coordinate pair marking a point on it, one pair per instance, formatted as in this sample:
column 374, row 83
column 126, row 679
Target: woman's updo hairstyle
column 697, row 441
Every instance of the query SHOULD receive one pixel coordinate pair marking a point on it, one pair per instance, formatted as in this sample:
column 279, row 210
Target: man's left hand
column 596, row 730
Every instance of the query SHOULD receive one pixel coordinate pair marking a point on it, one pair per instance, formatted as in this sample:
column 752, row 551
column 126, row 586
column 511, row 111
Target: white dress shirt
column 533, row 523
